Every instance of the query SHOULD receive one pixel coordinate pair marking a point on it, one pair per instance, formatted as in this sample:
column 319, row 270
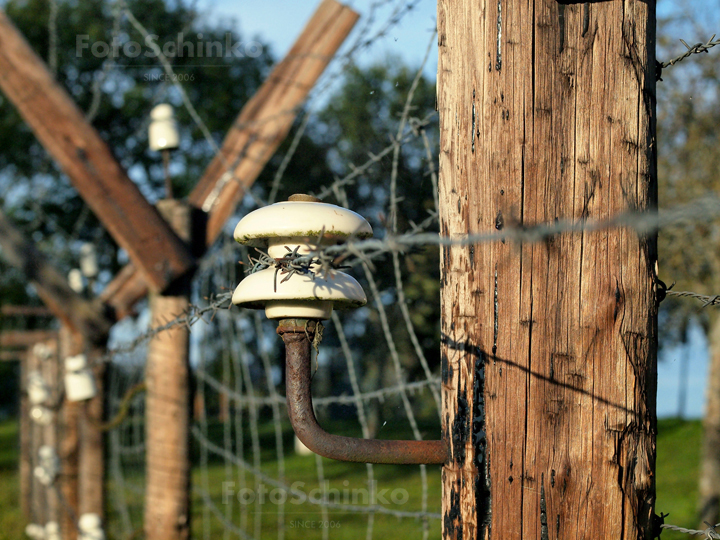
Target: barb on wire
column 293, row 262
column 695, row 49
column 706, row 300
column 710, row 532
column 189, row 318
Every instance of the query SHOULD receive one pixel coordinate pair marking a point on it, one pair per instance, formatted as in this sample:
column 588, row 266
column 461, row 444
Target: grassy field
column 677, row 472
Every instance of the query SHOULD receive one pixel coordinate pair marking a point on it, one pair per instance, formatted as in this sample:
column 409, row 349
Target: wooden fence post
column 91, row 497
column 167, row 410
column 71, row 344
column 547, row 113
column 25, row 424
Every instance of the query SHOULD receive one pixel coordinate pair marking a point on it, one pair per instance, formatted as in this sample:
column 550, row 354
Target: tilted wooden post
column 547, row 112
column 167, row 410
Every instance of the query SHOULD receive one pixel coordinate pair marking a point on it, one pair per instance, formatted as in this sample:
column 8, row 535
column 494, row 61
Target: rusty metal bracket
column 298, row 335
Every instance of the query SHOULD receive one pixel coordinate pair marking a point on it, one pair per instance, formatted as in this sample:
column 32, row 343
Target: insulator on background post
column 90, row 526
column 163, row 131
column 35, row 531
column 52, row 531
column 48, row 465
column 301, row 449
column 88, row 261
column 79, row 381
column 37, row 388
column 42, row 351
column 41, row 415
column 75, row 280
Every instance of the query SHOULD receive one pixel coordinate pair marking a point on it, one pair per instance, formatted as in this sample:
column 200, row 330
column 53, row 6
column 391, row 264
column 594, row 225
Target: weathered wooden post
column 91, row 498
column 547, row 112
column 71, row 344
column 167, row 410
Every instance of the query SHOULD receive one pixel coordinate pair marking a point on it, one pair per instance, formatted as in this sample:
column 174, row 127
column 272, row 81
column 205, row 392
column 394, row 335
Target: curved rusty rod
column 297, row 335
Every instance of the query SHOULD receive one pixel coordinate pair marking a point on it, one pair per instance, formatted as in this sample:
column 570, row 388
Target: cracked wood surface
column 547, row 111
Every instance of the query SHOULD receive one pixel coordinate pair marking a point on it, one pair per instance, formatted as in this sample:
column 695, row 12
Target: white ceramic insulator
column 296, row 227
column 49, row 462
column 163, row 132
column 90, row 527
column 43, row 476
column 42, row 415
column 88, row 261
column 35, row 531
column 42, row 351
column 75, row 280
column 38, row 391
column 301, row 449
column 302, row 296
column 52, row 530
column 79, row 381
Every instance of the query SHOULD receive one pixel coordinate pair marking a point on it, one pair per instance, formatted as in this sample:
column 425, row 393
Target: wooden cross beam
column 22, row 339
column 267, row 118
column 11, row 356
column 25, row 311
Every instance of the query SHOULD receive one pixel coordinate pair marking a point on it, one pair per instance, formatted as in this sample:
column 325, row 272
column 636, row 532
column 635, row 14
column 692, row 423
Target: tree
column 117, row 95
column 361, row 120
column 689, row 253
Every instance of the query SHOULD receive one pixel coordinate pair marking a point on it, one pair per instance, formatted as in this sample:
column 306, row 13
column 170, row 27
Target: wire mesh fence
column 251, row 477
column 376, row 373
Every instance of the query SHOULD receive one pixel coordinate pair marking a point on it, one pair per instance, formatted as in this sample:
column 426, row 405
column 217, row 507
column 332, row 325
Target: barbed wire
column 322, row 260
column 254, row 377
column 222, row 452
column 705, row 299
column 709, row 533
column 193, row 315
column 695, row 49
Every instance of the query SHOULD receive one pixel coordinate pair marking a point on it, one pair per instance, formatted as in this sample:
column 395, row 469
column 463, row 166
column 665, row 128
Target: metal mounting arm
column 297, row 335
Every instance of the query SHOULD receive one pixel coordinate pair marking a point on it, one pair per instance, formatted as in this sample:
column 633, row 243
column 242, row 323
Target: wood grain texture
column 547, row 111
column 255, row 135
column 167, row 405
column 78, row 149
column 70, row 344
column 167, row 413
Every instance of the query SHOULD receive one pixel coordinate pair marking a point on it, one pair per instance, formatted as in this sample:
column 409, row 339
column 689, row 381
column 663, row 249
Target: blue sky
column 278, row 23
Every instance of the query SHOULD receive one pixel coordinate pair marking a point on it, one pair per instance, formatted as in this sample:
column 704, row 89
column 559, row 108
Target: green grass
column 678, row 460
column 677, row 473
column 12, row 522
